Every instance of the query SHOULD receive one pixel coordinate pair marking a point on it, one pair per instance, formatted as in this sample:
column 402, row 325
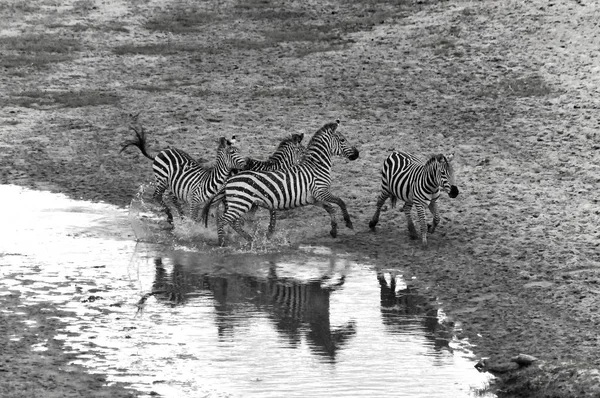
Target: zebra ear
column 298, row 138
column 232, row 141
column 450, row 157
column 223, row 141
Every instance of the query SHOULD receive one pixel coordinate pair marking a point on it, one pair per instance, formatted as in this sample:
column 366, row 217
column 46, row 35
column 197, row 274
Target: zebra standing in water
column 289, row 152
column 406, row 177
column 307, row 183
column 186, row 179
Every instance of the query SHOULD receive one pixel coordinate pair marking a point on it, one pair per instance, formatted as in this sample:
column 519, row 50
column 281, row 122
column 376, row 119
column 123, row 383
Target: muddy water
column 190, row 322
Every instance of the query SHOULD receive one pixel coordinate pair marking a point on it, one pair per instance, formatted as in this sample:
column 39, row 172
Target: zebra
column 289, row 152
column 304, row 184
column 418, row 183
column 185, row 178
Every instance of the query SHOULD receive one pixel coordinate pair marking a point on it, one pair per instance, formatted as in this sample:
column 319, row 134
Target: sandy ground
column 510, row 87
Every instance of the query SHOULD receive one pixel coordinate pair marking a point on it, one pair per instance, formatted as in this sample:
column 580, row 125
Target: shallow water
column 208, row 322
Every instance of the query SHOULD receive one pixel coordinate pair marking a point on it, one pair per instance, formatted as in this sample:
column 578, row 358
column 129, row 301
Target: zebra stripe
column 288, row 154
column 306, row 183
column 186, row 179
column 418, row 183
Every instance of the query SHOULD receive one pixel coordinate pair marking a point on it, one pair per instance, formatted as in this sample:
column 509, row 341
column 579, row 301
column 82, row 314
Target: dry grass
column 36, row 50
column 179, row 21
column 63, row 99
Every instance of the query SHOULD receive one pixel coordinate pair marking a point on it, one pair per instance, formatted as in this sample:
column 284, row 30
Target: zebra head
column 290, row 150
column 228, row 154
column 339, row 144
column 446, row 174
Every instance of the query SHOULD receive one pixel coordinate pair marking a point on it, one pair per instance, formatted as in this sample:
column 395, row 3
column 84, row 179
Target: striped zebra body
column 184, row 178
column 306, row 183
column 418, row 183
column 288, row 154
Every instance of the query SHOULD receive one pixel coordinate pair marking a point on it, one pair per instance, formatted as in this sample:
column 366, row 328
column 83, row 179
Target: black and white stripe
column 307, row 183
column 418, row 183
column 289, row 152
column 186, row 179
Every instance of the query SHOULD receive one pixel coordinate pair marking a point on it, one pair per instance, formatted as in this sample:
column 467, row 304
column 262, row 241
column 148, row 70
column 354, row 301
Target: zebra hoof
column 372, row 225
column 349, row 225
column 333, row 233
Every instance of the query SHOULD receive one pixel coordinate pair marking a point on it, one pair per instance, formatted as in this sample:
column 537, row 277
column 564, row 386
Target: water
column 191, row 320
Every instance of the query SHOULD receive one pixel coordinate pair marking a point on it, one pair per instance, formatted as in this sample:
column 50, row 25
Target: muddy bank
column 511, row 88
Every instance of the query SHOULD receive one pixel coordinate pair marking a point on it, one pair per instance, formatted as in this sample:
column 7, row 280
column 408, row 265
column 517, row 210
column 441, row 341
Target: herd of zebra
column 291, row 177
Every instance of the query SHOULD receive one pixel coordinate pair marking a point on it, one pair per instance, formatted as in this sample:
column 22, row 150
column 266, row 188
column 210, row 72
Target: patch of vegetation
column 14, row 61
column 150, row 88
column 36, row 43
column 168, row 48
column 64, row 99
column 527, row 86
column 517, row 86
column 180, row 20
column 22, row 7
column 263, row 9
column 36, row 50
column 84, row 6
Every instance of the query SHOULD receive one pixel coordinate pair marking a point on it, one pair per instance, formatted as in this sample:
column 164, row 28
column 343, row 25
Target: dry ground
column 510, row 86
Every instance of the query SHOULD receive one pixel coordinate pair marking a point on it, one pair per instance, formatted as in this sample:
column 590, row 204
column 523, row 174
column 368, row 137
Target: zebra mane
column 290, row 138
column 326, row 129
column 439, row 158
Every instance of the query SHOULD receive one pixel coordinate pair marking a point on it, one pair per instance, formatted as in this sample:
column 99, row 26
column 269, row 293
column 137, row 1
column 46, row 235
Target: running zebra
column 289, row 152
column 406, row 177
column 187, row 180
column 307, row 183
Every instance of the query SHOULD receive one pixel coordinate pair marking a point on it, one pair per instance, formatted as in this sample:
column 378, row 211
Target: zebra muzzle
column 453, row 191
column 354, row 154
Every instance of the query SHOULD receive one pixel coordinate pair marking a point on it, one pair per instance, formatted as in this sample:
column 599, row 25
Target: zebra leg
column 383, row 196
column 329, row 197
column 412, row 232
column 237, row 227
column 422, row 222
column 272, row 221
column 177, row 205
column 172, row 199
column 221, row 229
column 233, row 219
column 158, row 197
column 331, row 210
column 436, row 216
column 194, row 209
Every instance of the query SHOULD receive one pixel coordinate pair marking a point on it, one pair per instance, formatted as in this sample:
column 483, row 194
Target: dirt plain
column 510, row 87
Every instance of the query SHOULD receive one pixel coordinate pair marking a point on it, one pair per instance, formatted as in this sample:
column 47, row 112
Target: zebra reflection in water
column 296, row 308
column 400, row 308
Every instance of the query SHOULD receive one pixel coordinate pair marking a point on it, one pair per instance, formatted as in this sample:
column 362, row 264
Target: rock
column 494, row 367
column 524, row 359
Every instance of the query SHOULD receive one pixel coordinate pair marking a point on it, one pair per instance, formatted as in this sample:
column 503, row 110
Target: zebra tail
column 139, row 141
column 206, row 209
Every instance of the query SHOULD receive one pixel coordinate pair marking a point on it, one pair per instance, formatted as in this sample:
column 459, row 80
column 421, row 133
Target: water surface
column 187, row 322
